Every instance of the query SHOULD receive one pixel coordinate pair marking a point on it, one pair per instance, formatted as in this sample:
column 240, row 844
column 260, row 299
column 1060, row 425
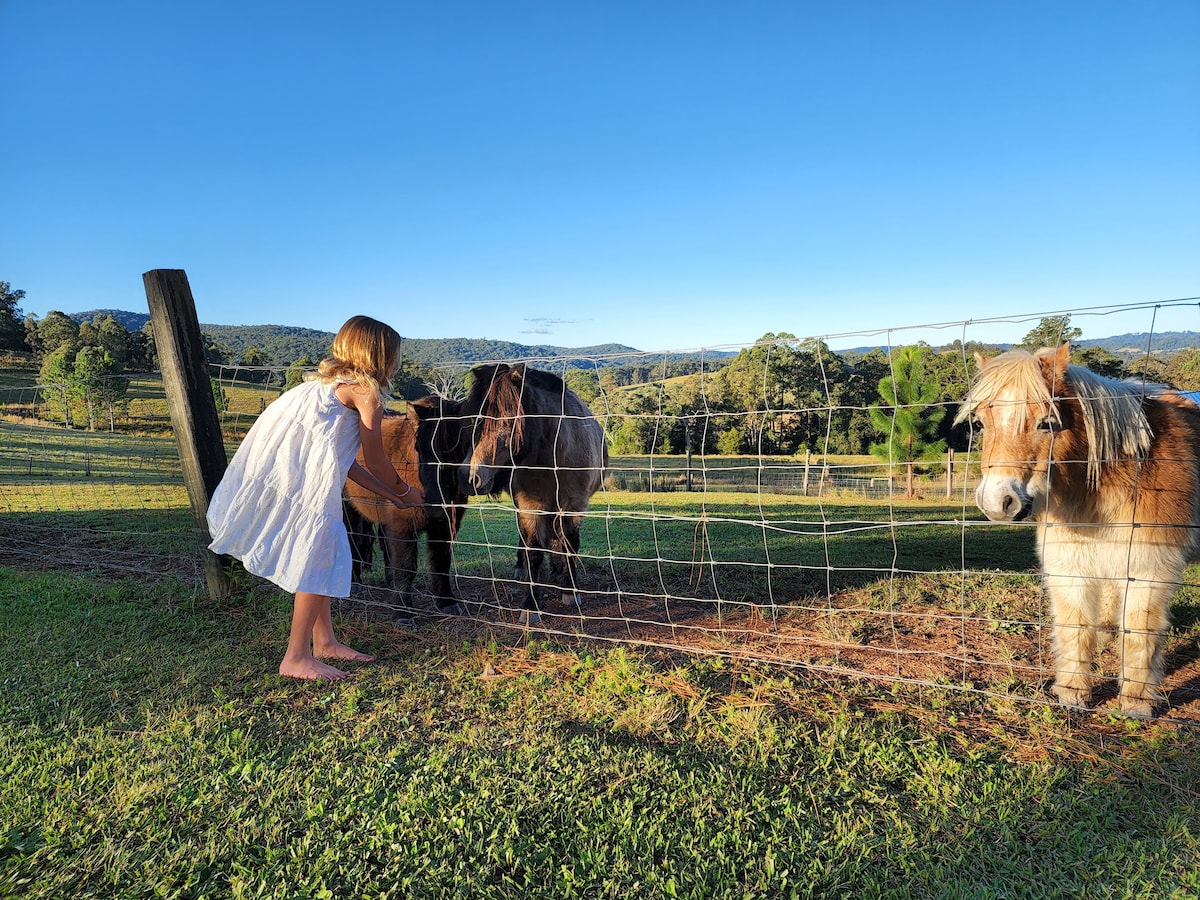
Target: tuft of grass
column 147, row 749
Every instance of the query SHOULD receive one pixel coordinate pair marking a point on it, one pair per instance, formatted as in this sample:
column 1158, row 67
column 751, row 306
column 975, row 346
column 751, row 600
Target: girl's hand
column 411, row 496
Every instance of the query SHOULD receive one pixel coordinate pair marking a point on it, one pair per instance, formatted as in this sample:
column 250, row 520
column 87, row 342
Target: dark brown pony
column 524, row 431
column 438, row 519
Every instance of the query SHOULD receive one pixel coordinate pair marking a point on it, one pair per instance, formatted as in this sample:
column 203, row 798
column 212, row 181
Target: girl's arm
column 378, row 469
column 409, row 496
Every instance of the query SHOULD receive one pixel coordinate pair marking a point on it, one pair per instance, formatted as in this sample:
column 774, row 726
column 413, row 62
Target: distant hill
column 1131, row 346
column 1124, row 346
column 285, row 344
column 130, row 321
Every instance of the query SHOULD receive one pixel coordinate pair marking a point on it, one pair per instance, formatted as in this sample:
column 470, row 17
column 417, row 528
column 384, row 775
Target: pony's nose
column 468, row 481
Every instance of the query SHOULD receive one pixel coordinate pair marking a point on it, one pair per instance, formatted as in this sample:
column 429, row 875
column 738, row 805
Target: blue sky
column 658, row 174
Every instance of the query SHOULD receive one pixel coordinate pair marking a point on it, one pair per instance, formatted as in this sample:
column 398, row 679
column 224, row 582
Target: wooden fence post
column 190, row 401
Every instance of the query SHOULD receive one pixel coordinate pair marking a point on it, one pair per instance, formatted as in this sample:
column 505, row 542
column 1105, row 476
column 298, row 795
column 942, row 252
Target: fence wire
column 733, row 518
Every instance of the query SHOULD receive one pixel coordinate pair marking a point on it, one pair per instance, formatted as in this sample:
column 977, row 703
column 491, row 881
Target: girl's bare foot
column 339, row 650
column 310, row 669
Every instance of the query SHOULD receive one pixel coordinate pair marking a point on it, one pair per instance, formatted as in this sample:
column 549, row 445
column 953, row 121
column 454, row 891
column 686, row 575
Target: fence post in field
column 949, row 473
column 193, row 409
column 687, row 425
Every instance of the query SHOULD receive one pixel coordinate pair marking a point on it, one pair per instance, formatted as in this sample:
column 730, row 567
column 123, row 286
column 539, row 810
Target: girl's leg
column 325, row 643
column 298, row 660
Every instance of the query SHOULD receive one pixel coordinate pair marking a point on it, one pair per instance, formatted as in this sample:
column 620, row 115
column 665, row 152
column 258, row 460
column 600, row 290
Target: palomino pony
column 439, row 518
column 531, row 436
column 1109, row 470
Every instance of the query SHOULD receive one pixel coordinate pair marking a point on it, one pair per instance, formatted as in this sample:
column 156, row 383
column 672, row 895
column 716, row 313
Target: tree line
column 782, row 396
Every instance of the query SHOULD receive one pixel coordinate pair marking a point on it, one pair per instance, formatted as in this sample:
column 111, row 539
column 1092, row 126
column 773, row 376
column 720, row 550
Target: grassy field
column 764, row 695
column 148, row 751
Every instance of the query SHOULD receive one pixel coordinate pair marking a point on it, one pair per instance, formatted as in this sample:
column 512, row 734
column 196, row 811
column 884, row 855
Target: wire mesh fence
column 733, row 518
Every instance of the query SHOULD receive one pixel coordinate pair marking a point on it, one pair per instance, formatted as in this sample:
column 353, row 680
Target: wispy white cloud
column 546, row 325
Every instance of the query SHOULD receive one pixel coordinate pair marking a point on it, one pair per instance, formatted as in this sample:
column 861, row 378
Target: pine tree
column 907, row 417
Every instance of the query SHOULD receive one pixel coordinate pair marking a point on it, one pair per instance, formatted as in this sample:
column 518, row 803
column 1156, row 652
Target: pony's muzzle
column 469, row 482
column 479, row 481
column 1004, row 503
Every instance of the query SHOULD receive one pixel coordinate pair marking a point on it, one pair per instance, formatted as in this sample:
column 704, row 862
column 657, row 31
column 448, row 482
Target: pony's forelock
column 1012, row 374
column 1114, row 419
column 495, row 389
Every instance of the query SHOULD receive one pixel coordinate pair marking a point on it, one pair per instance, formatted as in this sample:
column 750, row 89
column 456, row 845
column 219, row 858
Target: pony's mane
column 1113, row 416
column 497, row 398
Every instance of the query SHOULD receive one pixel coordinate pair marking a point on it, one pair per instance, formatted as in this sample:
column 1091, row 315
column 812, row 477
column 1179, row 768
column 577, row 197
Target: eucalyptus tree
column 12, row 329
column 1051, row 331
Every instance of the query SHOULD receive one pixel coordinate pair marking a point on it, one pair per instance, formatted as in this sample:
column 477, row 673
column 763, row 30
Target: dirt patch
column 836, row 636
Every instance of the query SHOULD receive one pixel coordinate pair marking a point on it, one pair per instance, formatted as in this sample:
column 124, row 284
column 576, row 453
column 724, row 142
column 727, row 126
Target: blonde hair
column 364, row 350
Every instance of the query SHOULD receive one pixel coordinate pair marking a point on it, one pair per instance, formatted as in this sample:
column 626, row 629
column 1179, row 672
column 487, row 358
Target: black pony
column 523, row 431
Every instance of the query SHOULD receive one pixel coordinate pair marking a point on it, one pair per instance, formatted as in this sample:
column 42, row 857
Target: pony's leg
column 566, row 544
column 401, row 544
column 530, row 525
column 1142, row 636
column 521, row 566
column 1074, row 602
column 362, row 534
column 440, row 554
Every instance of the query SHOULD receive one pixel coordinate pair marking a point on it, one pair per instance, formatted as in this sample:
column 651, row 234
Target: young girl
column 278, row 507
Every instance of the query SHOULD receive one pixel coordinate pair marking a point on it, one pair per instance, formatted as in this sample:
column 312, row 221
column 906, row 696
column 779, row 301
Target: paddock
column 813, row 562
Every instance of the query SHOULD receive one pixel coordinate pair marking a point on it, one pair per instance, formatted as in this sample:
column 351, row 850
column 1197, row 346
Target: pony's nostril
column 1009, row 500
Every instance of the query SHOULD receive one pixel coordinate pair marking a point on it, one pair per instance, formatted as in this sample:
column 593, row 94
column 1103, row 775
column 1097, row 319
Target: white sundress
column 278, row 507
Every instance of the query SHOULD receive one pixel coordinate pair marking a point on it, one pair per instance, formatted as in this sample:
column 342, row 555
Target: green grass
column 147, row 749
column 768, row 550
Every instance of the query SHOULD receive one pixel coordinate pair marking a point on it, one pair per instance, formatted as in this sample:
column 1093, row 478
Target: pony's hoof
column 451, row 609
column 1075, row 698
column 570, row 598
column 529, row 617
column 1137, row 707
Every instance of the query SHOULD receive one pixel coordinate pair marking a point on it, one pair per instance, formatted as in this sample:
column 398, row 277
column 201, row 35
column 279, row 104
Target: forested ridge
column 781, row 395
column 282, row 345
column 285, row 344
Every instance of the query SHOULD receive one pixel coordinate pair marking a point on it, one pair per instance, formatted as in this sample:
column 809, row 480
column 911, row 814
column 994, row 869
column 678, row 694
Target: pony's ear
column 1062, row 359
column 1054, row 365
column 980, row 360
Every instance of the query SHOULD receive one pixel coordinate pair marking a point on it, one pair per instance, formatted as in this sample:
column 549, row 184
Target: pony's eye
column 1047, row 423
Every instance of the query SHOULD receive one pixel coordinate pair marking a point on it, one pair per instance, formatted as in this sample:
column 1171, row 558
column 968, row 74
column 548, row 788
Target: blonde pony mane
column 1113, row 416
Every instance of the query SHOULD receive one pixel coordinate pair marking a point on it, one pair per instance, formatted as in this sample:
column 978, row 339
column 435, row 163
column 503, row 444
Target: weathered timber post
column 190, row 401
column 949, row 472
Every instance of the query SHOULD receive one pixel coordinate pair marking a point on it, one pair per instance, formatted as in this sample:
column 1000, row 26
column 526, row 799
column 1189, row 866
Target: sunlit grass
column 148, row 750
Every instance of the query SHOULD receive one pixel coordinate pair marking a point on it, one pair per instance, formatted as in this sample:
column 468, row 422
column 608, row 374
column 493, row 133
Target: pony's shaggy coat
column 535, row 438
column 1109, row 470
column 438, row 519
